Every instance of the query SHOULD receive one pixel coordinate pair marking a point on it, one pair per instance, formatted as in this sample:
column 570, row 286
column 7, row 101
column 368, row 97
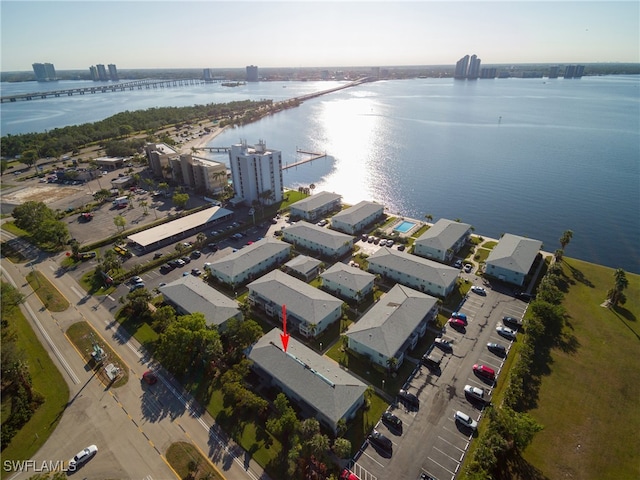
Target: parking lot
column 430, row 440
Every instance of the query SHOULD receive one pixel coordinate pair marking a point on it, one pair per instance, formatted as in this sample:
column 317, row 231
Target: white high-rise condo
column 256, row 173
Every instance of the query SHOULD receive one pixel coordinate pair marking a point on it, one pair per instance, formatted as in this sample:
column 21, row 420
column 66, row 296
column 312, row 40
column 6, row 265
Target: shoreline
column 202, row 141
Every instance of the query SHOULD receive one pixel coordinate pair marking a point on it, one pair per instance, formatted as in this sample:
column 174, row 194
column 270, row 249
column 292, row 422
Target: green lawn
column 48, row 381
column 49, row 295
column 181, row 456
column 589, row 403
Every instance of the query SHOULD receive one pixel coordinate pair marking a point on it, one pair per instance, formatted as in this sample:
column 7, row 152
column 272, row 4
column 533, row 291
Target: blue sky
column 201, row 34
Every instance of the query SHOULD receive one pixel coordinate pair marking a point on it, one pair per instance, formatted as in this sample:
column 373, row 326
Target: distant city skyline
column 270, row 34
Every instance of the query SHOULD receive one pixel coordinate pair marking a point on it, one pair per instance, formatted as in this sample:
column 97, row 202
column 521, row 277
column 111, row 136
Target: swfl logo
column 34, row 466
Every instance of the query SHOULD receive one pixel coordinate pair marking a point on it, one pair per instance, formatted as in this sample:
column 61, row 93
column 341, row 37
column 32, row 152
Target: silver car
column 506, row 332
column 465, row 420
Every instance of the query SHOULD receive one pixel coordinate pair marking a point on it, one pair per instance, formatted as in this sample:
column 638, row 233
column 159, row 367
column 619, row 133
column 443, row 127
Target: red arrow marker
column 284, row 336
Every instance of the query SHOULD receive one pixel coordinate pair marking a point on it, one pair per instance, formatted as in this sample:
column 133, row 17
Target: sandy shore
column 201, row 142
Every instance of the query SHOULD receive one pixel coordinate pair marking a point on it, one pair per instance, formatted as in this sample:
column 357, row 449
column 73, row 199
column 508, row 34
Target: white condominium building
column 256, row 173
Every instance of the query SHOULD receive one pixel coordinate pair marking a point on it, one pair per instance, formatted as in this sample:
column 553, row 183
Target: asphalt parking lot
column 431, row 441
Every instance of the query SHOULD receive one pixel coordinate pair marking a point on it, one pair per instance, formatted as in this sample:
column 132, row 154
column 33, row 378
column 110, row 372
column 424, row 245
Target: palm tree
column 429, row 217
column 392, row 364
column 566, row 238
column 559, row 253
column 312, row 187
column 621, row 279
column 616, row 296
column 144, row 206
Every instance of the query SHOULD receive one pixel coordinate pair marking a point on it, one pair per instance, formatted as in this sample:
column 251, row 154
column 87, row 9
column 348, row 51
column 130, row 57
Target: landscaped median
column 188, row 462
column 48, row 294
column 86, row 340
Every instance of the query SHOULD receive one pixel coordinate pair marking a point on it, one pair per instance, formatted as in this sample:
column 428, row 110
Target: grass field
column 188, row 462
column 48, row 381
column 589, row 403
column 49, row 295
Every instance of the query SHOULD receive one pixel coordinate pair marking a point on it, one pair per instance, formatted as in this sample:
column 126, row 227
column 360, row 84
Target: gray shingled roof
column 428, row 270
column 249, row 256
column 320, row 235
column 390, row 322
column 350, row 277
column 515, row 253
column 302, row 300
column 318, row 381
column 443, row 234
column 303, row 264
column 318, row 200
column 357, row 212
column 193, row 295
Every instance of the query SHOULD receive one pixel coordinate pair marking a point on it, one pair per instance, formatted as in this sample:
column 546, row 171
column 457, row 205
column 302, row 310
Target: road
column 132, row 425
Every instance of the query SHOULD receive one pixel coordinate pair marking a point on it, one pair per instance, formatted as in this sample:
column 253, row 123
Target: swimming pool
column 404, row 227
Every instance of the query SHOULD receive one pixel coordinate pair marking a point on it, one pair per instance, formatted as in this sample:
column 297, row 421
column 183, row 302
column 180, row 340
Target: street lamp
column 383, row 384
column 321, row 346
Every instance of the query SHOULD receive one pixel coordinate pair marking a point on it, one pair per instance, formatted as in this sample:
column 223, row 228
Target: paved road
column 132, row 425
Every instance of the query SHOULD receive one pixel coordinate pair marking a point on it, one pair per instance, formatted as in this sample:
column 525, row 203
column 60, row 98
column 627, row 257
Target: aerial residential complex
column 44, row 72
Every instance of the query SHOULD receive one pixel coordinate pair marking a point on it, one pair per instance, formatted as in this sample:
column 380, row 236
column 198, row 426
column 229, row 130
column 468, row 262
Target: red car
column 457, row 323
column 348, row 475
column 149, row 377
column 484, row 371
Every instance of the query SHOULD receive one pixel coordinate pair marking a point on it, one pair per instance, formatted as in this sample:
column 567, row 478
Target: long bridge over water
column 115, row 87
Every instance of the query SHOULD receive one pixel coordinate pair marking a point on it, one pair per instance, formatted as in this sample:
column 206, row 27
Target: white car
column 82, row 456
column 465, row 420
column 478, row 290
column 474, row 392
column 506, row 332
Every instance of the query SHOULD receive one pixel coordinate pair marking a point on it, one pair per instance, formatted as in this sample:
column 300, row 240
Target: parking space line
column 453, row 445
column 365, row 453
column 443, row 467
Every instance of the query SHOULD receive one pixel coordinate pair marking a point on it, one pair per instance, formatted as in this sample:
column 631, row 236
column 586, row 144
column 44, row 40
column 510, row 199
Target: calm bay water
column 532, row 157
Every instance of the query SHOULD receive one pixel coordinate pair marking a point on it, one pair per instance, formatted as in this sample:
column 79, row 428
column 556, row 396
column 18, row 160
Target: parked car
column 506, row 332
column 379, row 440
column 525, row 296
column 149, row 377
column 196, row 272
column 179, row 262
column 348, row 475
column 196, row 254
column 459, row 315
column 517, row 322
column 497, row 349
column 457, row 323
column 370, row 239
column 426, row 476
column 458, row 264
column 136, row 286
column 136, row 279
column 186, row 260
column 443, row 344
column 468, row 268
column 478, row 290
column 166, row 268
column 392, row 420
column 364, row 237
column 157, row 255
column 431, row 361
column 465, row 420
column 82, row 456
column 408, row 399
column 484, row 371
column 476, row 393
column 401, row 247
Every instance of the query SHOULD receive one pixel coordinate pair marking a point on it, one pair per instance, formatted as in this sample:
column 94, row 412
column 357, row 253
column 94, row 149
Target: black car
column 213, row 247
column 196, row 254
column 157, row 255
column 527, row 297
column 392, row 420
column 186, row 259
column 497, row 349
column 166, row 268
column 517, row 322
column 408, row 399
column 173, row 264
column 401, row 247
column 379, row 440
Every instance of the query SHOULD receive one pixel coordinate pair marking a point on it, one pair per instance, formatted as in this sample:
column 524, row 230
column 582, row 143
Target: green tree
column 30, row 158
column 163, row 317
column 180, row 200
column 318, row 445
column 30, row 215
column 615, row 295
column 138, row 302
column 102, row 195
column 10, row 298
column 392, row 364
column 144, row 204
column 120, row 222
column 309, row 428
column 342, row 448
column 566, row 238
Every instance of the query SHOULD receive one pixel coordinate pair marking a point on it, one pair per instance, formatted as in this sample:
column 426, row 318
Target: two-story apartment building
column 249, row 262
column 356, row 218
column 347, row 282
column 309, row 309
column 318, row 386
column 320, row 240
column 413, row 271
column 393, row 325
column 316, row 206
column 443, row 240
column 511, row 260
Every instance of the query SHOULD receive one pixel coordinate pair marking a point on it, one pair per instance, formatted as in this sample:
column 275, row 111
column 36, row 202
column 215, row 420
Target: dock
column 313, row 156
